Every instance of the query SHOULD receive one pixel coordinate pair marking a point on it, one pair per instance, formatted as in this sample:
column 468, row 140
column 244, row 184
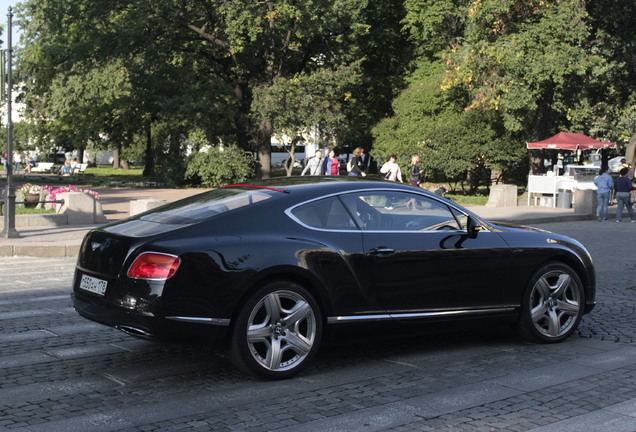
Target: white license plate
column 93, row 284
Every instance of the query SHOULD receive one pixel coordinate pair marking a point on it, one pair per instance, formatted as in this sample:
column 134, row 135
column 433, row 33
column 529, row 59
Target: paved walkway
column 61, row 372
column 65, row 240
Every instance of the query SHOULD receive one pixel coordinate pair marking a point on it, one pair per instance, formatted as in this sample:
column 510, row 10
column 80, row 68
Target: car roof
column 302, row 188
column 322, row 184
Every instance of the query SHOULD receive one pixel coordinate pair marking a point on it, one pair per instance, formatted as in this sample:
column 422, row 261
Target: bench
column 42, row 167
column 80, row 169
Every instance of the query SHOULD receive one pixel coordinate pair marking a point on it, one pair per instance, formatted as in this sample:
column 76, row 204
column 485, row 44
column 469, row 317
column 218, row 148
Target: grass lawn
column 21, row 210
column 108, row 172
column 468, row 199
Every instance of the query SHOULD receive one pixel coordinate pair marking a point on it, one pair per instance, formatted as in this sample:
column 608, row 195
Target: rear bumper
column 146, row 325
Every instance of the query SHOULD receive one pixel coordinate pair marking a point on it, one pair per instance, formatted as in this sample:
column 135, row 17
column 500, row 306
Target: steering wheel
column 371, row 220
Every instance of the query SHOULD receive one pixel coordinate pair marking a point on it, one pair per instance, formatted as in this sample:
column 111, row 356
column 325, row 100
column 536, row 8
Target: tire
column 277, row 331
column 552, row 305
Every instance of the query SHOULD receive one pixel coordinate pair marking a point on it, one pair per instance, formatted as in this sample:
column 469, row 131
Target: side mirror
column 472, row 227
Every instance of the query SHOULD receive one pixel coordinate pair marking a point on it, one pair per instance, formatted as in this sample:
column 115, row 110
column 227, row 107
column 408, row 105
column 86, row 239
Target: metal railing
column 61, row 201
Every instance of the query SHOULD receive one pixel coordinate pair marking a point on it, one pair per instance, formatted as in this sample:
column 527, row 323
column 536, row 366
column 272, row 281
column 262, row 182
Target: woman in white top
column 17, row 161
column 391, row 169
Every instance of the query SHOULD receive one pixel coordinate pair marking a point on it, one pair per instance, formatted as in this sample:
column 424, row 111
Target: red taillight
column 153, row 265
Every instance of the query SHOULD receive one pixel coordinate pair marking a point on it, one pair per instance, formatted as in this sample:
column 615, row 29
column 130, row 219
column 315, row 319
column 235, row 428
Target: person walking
column 331, row 165
column 415, row 173
column 17, row 160
column 314, row 165
column 355, row 167
column 623, row 199
column 604, row 184
column 391, row 169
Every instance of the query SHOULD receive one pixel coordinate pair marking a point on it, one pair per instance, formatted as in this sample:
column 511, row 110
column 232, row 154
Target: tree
column 611, row 111
column 222, row 52
column 307, row 103
column 530, row 60
column 433, row 26
column 453, row 144
column 93, row 68
column 258, row 43
column 214, row 166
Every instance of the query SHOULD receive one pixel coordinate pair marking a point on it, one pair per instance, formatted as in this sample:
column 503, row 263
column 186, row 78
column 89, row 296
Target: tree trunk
column 289, row 162
column 540, row 130
column 630, row 151
column 264, row 150
column 116, row 153
column 80, row 155
column 241, row 121
column 149, row 163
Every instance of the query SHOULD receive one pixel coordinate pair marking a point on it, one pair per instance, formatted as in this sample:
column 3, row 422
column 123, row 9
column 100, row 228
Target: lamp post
column 9, row 230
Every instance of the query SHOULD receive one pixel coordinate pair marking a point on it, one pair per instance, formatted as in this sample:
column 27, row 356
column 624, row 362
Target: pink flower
column 53, row 192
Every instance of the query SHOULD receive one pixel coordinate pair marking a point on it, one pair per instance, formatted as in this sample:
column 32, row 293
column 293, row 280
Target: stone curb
column 547, row 219
column 42, row 250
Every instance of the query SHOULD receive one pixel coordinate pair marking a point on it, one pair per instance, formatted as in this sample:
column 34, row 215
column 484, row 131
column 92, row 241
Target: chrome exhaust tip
column 136, row 332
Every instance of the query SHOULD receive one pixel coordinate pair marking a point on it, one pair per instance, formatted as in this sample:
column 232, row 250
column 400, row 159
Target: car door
column 336, row 256
column 422, row 259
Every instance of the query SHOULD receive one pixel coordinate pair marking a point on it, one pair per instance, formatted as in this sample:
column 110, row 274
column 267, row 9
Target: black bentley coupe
column 264, row 267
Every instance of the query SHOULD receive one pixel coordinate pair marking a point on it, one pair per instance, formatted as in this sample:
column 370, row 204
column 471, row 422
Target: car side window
column 400, row 211
column 328, row 213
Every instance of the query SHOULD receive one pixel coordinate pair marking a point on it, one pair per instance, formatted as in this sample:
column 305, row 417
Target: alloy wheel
column 555, row 304
column 281, row 330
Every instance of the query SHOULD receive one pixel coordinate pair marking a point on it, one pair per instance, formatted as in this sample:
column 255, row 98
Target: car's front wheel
column 277, row 331
column 552, row 305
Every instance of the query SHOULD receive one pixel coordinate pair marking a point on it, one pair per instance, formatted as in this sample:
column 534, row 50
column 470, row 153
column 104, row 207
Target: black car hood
column 513, row 227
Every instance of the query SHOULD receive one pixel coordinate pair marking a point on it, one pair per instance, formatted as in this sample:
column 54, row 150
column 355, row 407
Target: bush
column 219, row 166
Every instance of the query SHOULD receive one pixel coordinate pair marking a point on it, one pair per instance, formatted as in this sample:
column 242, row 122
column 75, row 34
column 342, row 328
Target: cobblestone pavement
column 60, row 372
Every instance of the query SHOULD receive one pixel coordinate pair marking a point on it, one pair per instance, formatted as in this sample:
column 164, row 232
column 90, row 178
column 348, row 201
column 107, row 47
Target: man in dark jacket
column 623, row 188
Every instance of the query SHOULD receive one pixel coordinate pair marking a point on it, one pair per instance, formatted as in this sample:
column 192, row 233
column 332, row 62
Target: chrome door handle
column 382, row 251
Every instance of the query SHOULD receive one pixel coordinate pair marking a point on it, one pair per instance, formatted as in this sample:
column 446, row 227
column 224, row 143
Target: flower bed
column 53, row 192
column 48, row 193
column 29, row 189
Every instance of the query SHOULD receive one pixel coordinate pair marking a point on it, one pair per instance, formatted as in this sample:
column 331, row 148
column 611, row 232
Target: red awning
column 570, row 141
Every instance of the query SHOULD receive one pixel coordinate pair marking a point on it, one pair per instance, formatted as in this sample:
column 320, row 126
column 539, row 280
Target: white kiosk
column 546, row 188
column 575, row 177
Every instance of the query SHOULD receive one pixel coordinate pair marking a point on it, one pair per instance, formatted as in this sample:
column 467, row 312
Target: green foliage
column 529, row 60
column 107, row 71
column 156, row 78
column 219, row 166
column 432, row 25
column 23, row 135
column 307, row 104
column 453, row 144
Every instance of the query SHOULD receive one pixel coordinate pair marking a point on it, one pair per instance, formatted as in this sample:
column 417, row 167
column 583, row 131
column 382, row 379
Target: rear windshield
column 202, row 206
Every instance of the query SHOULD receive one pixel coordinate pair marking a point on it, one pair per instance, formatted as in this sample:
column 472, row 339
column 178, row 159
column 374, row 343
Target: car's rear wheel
column 277, row 331
column 552, row 305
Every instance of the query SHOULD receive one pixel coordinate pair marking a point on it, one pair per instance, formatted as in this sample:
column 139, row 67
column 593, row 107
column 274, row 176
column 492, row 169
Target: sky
column 4, row 8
